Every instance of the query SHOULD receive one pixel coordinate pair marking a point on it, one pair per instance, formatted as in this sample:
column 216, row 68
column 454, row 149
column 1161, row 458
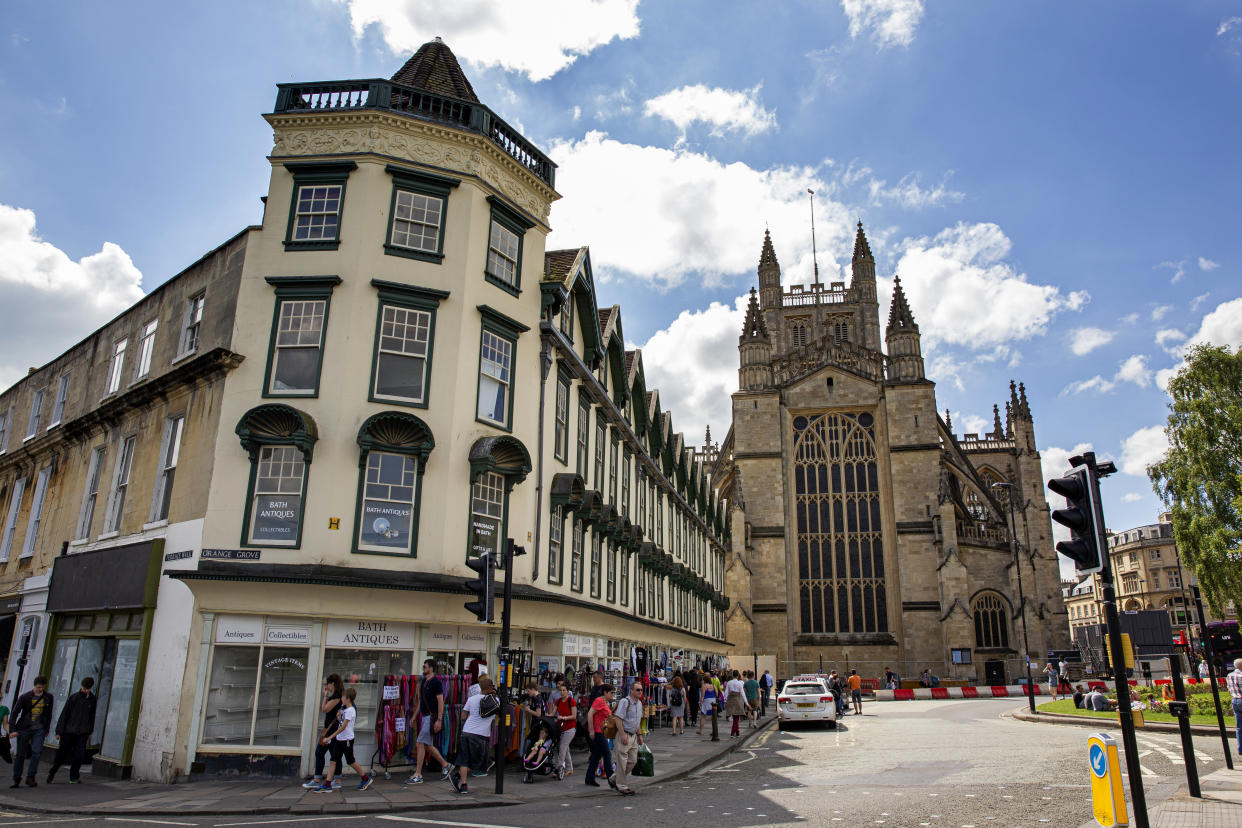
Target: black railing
column 343, row 96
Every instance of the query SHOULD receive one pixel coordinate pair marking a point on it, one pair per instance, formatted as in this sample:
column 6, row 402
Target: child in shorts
column 341, row 744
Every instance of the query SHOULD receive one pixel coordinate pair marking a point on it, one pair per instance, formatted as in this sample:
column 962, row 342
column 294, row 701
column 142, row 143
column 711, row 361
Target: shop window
column 255, row 696
column 364, row 670
column 279, row 440
column 395, row 447
column 120, row 485
column 170, row 452
column 317, row 204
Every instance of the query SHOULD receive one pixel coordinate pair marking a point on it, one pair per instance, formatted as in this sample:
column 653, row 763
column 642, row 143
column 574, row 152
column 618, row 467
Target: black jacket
column 78, row 717
column 21, row 718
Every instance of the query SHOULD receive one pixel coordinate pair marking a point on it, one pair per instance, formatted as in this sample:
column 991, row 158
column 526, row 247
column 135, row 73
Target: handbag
column 644, row 765
column 610, row 728
column 489, row 706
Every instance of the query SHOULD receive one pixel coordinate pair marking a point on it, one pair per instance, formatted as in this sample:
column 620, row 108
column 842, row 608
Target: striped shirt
column 1233, row 682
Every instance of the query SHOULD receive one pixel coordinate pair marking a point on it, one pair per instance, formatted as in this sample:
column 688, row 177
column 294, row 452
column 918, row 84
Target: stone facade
column 865, row 533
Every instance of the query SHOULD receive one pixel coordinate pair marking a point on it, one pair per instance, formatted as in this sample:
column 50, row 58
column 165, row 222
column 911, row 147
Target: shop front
column 102, row 604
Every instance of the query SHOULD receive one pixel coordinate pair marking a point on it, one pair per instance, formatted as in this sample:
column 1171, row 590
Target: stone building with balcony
column 392, row 375
column 866, row 534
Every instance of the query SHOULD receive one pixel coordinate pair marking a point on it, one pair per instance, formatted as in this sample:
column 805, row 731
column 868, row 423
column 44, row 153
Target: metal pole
column 27, row 631
column 1113, row 621
column 502, row 743
column 1207, row 647
column 1013, row 543
column 1183, row 727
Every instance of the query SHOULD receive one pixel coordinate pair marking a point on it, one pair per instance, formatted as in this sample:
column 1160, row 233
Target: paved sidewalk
column 675, row 757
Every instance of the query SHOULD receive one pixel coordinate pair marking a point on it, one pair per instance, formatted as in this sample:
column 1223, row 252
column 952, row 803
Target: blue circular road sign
column 1099, row 760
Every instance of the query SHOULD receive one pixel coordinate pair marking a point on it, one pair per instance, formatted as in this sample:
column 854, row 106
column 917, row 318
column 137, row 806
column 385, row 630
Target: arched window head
column 394, row 449
column 279, row 440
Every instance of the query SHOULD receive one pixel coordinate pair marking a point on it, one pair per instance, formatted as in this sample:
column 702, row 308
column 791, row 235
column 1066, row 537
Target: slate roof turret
column 434, row 68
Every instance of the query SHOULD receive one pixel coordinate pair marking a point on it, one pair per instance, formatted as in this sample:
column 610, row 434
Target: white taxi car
column 806, row 699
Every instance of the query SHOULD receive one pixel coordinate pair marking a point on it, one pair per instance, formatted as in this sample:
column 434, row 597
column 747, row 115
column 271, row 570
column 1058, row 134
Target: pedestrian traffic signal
column 1079, row 489
column 483, row 587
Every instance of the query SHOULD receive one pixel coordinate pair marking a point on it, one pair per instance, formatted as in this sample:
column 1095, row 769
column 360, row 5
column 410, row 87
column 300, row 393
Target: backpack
column 675, row 698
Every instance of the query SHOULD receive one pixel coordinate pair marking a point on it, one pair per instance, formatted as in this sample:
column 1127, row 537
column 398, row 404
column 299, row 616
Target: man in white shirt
column 476, row 733
column 1233, row 683
column 629, row 711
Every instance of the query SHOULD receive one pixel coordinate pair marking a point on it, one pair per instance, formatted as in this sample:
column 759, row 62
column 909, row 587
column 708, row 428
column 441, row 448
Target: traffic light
column 1079, row 490
column 483, row 587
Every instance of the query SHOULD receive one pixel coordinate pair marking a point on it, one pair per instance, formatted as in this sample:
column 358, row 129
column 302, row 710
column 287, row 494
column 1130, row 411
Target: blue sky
column 1058, row 190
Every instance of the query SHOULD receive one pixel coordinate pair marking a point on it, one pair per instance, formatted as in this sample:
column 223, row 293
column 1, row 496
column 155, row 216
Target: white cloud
column 1178, row 268
column 1227, row 25
column 1141, row 449
column 1207, row 264
column 892, row 22
column 693, row 362
column 1133, row 369
column 1085, row 340
column 1160, row 312
column 910, row 194
column 58, row 297
column 726, row 110
column 508, row 35
column 1131, row 497
column 948, row 277
column 825, row 70
column 1199, row 300
column 1222, row 326
column 969, row 423
column 1129, row 319
column 693, row 213
column 1170, row 339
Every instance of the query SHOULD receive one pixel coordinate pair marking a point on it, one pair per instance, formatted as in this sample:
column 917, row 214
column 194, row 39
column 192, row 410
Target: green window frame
column 405, row 332
column 504, row 253
column 625, row 481
column 625, row 580
column 575, row 557
column 556, row 545
column 584, row 434
column 612, row 572
column 612, row 469
column 279, row 440
column 601, row 437
column 489, row 515
column 417, row 214
column 319, row 197
column 498, row 340
column 596, row 563
column 560, row 442
column 393, row 450
column 299, row 326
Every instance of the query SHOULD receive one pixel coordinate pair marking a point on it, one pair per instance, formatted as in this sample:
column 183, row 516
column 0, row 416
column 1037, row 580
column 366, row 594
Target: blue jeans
column 601, row 758
column 1237, row 722
column 29, row 740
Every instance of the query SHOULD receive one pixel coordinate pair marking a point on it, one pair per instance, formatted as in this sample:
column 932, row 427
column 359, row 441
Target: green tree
column 1200, row 478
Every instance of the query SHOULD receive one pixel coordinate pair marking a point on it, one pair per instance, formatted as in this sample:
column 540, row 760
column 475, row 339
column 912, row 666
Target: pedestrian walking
column 74, row 728
column 597, row 718
column 838, row 691
column 694, row 695
column 431, row 709
column 476, row 733
column 854, row 685
column 566, row 707
column 677, row 705
column 751, row 686
column 329, row 705
column 735, row 703
column 341, row 742
column 1063, row 680
column 1203, row 670
column 629, row 714
column 29, row 722
column 708, row 703
column 765, row 690
column 1233, row 683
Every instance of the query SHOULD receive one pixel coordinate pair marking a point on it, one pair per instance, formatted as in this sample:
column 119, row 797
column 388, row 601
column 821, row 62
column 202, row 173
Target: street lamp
column 1013, row 543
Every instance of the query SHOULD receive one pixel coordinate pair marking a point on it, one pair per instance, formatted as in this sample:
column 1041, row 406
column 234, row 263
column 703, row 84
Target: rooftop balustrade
column 354, row 95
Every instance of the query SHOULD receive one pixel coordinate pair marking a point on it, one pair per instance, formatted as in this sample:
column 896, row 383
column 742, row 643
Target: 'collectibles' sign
column 276, row 519
column 370, row 635
column 472, row 638
column 284, row 634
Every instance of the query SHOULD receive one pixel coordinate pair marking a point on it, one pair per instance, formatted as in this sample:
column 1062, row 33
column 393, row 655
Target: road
column 932, row 763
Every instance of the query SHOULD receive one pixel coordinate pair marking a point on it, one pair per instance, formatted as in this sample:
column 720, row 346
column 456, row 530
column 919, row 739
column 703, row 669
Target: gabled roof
column 434, row 68
column 558, row 265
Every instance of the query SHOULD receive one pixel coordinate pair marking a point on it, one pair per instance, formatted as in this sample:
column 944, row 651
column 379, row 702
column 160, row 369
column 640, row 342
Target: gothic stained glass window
column 991, row 628
column 837, row 503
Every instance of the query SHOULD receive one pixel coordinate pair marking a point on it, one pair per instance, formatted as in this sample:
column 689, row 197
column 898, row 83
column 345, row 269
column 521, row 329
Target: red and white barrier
column 996, row 692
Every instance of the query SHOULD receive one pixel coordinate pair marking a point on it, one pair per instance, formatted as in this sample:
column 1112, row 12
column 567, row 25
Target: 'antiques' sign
column 276, row 519
column 239, row 629
column 441, row 637
column 370, row 635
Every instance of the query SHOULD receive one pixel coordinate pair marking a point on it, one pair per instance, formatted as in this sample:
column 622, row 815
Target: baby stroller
column 540, row 749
